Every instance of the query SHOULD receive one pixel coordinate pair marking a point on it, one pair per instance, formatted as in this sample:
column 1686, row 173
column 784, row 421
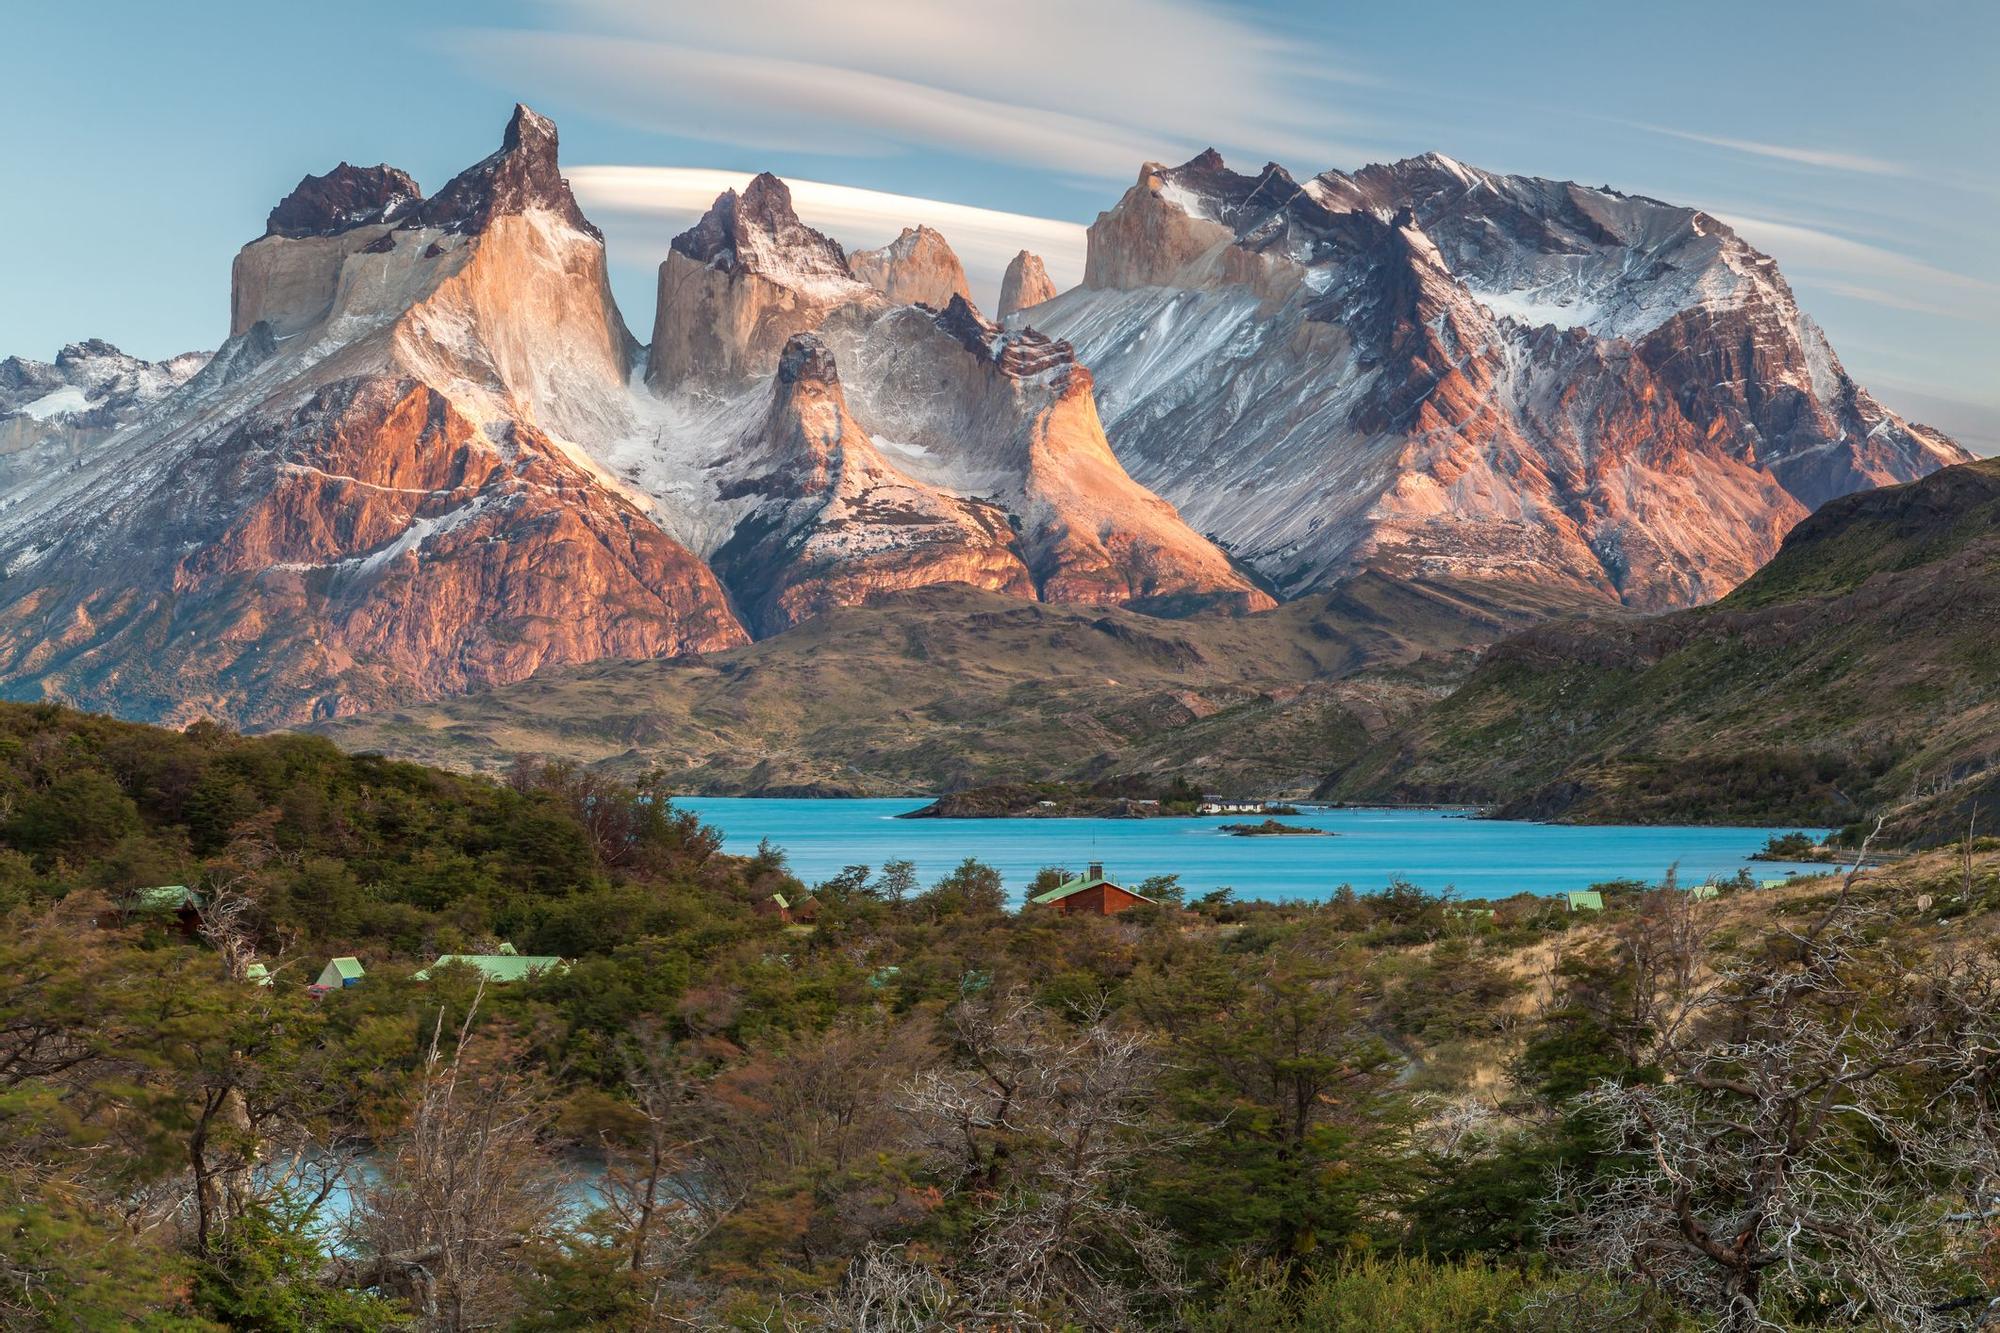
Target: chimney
column 1096, row 870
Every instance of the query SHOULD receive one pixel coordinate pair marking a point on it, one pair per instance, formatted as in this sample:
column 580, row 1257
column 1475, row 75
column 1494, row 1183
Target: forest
column 911, row 1107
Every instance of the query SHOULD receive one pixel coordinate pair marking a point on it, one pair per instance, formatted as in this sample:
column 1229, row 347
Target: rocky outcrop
column 838, row 525
column 521, row 176
column 739, row 283
column 948, row 426
column 391, row 500
column 344, row 198
column 917, row 268
column 56, row 410
column 1435, row 370
column 1025, row 283
column 1009, row 415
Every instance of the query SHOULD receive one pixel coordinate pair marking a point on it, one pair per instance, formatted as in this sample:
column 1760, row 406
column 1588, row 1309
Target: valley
column 948, row 688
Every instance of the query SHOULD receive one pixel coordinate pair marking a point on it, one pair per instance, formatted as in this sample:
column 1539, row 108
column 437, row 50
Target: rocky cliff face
column 837, row 524
column 737, row 286
column 379, row 488
column 1010, row 416
column 1428, row 368
column 917, row 268
column 945, row 423
column 1788, row 700
column 1025, row 283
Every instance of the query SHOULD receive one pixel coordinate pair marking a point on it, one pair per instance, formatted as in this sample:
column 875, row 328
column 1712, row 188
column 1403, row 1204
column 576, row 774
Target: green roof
column 164, row 898
column 779, row 899
column 1772, row 883
column 1703, row 892
column 1078, row 885
column 499, row 966
column 1586, row 900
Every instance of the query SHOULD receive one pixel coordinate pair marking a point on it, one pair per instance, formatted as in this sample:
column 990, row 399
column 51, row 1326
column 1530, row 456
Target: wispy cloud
column 1824, row 158
column 1866, row 272
column 642, row 208
column 1120, row 82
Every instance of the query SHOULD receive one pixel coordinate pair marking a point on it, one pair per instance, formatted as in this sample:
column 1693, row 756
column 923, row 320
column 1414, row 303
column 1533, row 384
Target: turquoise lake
column 1478, row 858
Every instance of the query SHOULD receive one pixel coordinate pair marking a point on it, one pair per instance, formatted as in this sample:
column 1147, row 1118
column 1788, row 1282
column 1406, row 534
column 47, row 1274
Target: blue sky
column 1855, row 141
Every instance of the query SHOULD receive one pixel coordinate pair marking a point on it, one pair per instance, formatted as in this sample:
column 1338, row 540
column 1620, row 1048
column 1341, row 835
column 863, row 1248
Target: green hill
column 1857, row 673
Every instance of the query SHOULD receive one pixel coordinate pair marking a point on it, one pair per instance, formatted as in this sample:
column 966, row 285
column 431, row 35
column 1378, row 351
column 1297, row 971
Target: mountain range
column 431, row 459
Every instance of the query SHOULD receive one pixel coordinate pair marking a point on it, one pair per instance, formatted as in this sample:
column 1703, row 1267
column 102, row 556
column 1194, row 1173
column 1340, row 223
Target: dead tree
column 1781, row 1157
column 466, row 1185
column 1041, row 1122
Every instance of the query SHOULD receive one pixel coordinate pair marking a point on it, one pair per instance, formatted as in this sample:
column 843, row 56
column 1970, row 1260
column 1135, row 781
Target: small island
column 1271, row 828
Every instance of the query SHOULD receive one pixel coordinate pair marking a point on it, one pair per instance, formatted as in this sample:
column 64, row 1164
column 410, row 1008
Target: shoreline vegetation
column 808, row 1102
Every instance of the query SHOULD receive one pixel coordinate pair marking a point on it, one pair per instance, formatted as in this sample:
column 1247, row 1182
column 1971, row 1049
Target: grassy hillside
column 1858, row 673
column 946, row 688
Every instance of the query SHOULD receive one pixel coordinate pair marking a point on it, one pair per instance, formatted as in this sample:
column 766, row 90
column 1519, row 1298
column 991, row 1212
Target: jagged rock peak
column 1019, row 354
column 1025, row 283
column 344, row 198
column 523, row 174
column 1204, row 186
column 807, row 360
column 758, row 231
column 919, row 267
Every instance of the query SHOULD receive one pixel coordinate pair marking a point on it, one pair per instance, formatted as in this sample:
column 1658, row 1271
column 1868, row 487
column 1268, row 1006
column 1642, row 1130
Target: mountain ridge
column 431, row 457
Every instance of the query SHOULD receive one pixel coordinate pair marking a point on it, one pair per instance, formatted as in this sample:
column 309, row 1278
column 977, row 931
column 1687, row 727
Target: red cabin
column 1090, row 894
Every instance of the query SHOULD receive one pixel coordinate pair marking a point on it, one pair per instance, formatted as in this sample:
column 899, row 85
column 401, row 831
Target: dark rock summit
column 807, row 360
column 342, row 199
column 758, row 231
column 522, row 174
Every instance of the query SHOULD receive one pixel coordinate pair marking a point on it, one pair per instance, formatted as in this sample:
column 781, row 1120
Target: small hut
column 499, row 968
column 804, row 911
column 1585, row 900
column 1090, row 894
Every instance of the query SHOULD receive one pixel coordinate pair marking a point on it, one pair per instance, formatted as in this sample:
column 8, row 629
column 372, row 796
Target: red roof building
column 1090, row 894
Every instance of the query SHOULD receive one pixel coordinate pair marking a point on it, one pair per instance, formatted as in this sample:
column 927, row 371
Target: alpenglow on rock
column 1025, row 283
column 810, row 488
column 430, row 458
column 377, row 490
column 1427, row 368
column 917, row 268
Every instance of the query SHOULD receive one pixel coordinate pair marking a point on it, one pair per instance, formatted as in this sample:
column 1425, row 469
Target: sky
column 1857, row 141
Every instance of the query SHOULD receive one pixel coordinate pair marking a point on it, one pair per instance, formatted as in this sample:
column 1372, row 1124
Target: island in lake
column 1132, row 797
column 1272, row 828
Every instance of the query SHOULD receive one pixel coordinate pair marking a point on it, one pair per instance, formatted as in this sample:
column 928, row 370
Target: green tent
column 340, row 973
column 1585, row 900
column 165, row 900
column 499, row 968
